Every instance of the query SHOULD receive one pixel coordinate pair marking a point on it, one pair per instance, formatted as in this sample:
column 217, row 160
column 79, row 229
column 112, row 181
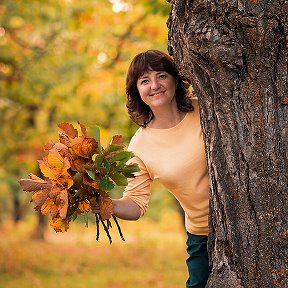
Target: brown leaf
column 68, row 129
column 106, row 207
column 48, row 145
column 30, row 185
column 79, row 165
column 64, row 139
column 34, row 177
column 63, row 207
column 40, row 197
column 53, row 211
column 90, row 182
column 117, row 139
column 83, row 129
column 62, row 149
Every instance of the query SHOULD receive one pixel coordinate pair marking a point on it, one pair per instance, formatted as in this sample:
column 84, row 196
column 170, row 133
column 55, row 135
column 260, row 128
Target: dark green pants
column 197, row 262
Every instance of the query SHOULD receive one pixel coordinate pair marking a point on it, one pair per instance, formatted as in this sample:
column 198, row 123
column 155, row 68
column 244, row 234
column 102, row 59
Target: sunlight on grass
column 153, row 255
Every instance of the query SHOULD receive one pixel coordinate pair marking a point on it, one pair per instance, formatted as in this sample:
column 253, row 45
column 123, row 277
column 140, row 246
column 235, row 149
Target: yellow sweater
column 177, row 158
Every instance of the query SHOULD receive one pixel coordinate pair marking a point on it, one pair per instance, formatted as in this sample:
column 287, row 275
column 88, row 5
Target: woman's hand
column 123, row 208
column 95, row 207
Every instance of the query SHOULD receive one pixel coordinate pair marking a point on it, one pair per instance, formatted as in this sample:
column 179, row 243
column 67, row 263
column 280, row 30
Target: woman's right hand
column 95, row 206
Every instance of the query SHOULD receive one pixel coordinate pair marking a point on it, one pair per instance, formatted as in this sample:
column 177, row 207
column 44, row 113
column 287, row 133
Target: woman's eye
column 163, row 76
column 144, row 81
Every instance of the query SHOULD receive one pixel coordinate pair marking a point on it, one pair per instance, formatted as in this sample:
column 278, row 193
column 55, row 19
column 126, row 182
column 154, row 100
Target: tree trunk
column 40, row 228
column 235, row 56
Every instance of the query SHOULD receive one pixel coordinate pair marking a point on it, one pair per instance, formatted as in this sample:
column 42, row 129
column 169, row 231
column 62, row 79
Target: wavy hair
column 152, row 60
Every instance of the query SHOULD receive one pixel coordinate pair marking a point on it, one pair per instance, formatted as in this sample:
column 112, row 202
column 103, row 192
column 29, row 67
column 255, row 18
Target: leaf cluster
column 78, row 174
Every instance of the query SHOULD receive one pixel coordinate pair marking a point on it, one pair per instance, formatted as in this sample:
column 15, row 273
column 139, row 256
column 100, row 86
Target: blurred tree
column 235, row 55
column 66, row 61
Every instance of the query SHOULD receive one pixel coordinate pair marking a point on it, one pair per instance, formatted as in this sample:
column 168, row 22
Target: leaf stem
column 97, row 226
column 118, row 226
column 106, row 230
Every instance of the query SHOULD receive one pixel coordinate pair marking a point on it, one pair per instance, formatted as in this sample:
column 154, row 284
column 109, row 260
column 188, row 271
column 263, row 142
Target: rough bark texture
column 235, row 56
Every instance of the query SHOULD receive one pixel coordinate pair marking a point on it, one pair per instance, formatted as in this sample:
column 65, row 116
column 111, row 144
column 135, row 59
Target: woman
column 167, row 146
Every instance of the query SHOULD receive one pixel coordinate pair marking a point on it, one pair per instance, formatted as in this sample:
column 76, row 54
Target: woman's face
column 157, row 89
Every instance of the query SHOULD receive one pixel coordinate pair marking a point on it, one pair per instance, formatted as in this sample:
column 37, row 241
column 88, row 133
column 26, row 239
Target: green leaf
column 119, row 179
column 113, row 148
column 121, row 156
column 98, row 161
column 91, row 174
column 95, row 132
column 77, row 180
column 128, row 170
column 106, row 165
column 106, row 184
column 78, row 193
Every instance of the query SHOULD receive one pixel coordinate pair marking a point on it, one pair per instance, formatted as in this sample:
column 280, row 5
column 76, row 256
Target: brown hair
column 154, row 60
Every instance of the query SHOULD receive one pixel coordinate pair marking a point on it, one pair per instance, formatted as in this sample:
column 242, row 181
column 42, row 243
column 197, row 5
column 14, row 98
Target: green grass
column 153, row 255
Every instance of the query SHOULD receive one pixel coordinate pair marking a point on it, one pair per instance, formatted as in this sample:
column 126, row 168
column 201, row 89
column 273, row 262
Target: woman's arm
column 126, row 209
column 123, row 208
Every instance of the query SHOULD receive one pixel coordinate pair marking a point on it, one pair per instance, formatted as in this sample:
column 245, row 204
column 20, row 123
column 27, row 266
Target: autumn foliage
column 79, row 173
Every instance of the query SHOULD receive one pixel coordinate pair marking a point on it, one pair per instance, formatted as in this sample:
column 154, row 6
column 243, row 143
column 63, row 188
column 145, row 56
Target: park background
column 66, row 61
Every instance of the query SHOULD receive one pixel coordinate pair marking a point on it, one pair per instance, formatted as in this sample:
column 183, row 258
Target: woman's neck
column 166, row 120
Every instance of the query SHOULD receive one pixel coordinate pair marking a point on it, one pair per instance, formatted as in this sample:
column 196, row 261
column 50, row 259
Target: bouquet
column 79, row 173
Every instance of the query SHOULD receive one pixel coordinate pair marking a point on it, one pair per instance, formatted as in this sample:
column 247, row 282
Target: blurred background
column 66, row 60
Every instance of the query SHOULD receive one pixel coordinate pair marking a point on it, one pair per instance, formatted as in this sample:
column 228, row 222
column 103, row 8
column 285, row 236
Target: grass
column 153, row 255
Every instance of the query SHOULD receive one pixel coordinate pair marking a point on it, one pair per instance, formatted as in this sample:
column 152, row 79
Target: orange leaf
column 68, row 129
column 46, row 206
column 85, row 147
column 83, row 206
column 89, row 147
column 106, row 207
column 56, row 224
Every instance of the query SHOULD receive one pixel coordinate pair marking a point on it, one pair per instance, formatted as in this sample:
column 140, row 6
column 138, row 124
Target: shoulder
column 137, row 139
column 195, row 103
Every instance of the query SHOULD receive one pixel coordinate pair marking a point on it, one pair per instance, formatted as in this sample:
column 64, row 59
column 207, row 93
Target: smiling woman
column 168, row 146
column 157, row 90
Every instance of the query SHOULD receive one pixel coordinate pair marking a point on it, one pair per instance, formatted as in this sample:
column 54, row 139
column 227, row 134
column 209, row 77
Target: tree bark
column 235, row 56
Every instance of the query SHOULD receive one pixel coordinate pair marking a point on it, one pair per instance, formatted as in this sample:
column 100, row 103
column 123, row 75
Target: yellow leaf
column 55, row 160
column 56, row 224
column 46, row 206
column 47, row 171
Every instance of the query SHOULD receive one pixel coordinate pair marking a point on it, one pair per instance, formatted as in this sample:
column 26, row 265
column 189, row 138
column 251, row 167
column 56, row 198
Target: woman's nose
column 154, row 84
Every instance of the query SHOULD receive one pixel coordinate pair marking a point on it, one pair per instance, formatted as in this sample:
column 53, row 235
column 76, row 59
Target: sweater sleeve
column 138, row 188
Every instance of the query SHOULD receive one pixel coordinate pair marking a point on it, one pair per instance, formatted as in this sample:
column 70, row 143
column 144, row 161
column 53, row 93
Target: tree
column 235, row 56
column 56, row 56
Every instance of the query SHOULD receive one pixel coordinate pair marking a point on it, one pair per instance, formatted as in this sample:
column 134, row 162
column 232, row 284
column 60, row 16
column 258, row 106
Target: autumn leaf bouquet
column 79, row 174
